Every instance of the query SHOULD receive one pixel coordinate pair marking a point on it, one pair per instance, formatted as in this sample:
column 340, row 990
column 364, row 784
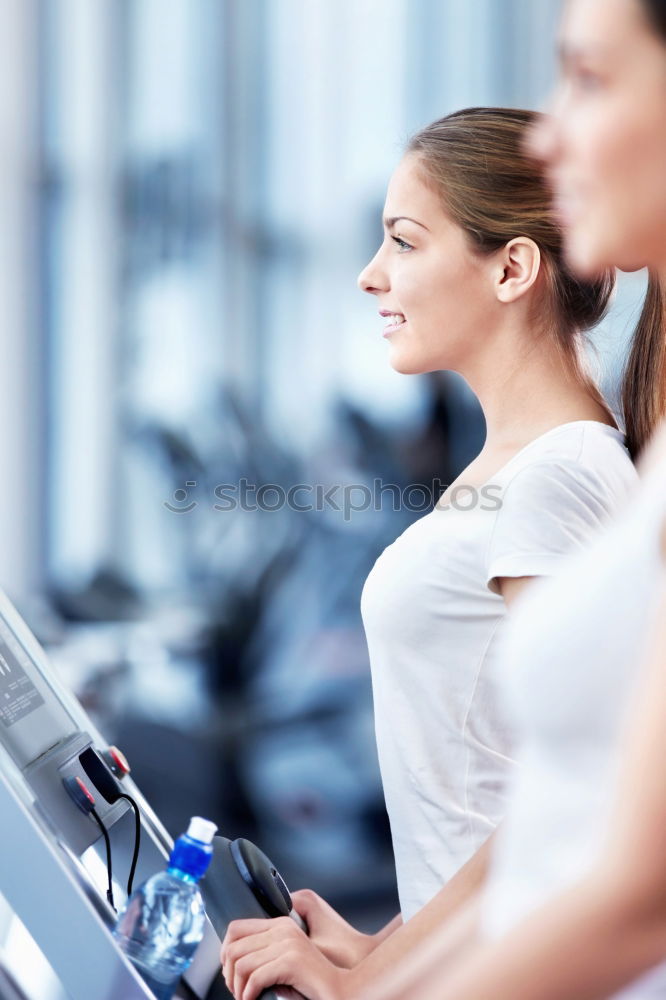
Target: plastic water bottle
column 162, row 922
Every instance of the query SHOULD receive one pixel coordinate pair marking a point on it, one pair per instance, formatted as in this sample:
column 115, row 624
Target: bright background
column 189, row 190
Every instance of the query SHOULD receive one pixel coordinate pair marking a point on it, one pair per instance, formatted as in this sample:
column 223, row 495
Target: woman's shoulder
column 583, row 454
column 604, row 450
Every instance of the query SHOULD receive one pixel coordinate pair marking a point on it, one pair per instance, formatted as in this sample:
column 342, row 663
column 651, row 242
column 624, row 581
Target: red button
column 85, row 791
column 120, row 759
column 79, row 792
column 117, row 761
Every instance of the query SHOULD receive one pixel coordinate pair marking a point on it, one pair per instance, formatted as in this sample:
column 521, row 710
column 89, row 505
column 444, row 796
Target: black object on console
column 242, row 883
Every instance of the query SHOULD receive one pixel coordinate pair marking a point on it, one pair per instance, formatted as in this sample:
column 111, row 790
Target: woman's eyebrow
column 390, row 222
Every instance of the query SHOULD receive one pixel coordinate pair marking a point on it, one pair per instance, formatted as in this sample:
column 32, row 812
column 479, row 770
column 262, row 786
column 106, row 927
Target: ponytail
column 644, row 381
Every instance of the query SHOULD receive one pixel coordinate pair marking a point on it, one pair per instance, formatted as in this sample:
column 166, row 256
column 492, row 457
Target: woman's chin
column 588, row 258
column 583, row 262
column 405, row 366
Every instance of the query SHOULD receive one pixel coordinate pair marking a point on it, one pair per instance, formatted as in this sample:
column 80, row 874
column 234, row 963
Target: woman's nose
column 372, row 278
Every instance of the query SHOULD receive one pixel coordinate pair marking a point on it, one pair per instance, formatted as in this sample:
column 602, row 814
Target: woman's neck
column 526, row 391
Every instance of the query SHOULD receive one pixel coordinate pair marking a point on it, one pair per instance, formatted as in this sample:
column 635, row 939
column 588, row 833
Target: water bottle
column 162, row 922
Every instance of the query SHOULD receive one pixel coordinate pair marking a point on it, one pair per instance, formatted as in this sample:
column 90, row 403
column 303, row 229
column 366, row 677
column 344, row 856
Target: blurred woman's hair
column 476, row 161
column 656, row 12
column 644, row 380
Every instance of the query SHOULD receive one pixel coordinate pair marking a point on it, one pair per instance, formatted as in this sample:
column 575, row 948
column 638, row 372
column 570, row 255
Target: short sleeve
column 548, row 510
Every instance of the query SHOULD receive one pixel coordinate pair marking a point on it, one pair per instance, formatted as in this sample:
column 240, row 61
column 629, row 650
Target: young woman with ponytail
column 574, row 903
column 471, row 277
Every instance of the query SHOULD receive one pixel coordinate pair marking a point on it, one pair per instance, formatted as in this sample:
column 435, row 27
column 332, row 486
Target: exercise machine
column 67, row 805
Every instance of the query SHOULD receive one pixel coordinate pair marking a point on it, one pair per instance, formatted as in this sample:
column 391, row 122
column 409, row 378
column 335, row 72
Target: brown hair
column 494, row 191
column 656, row 12
column 644, row 380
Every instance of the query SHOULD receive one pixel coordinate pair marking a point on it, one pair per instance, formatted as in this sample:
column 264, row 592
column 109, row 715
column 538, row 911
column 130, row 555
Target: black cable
column 137, row 840
column 105, row 832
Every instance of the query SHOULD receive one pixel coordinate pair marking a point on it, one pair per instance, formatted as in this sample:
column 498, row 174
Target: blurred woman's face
column 604, row 146
column 432, row 290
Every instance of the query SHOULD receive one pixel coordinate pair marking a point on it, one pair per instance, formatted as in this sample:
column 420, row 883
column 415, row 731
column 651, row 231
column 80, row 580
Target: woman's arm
column 336, row 939
column 511, row 586
column 254, row 951
column 587, row 943
column 434, row 918
column 337, row 963
column 429, row 961
column 597, row 937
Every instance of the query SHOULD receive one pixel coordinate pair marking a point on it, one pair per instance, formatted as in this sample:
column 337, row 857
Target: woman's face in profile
column 604, row 144
column 434, row 293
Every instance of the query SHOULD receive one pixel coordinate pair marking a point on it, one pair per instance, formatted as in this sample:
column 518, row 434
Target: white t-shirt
column 433, row 615
column 569, row 668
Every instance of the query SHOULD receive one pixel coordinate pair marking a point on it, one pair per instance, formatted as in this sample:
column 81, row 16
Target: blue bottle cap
column 192, row 852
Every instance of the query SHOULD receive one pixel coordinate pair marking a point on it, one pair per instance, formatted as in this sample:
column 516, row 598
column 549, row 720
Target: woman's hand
column 258, row 954
column 341, row 943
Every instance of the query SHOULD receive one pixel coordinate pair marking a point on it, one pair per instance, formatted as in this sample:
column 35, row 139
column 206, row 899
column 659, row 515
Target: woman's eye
column 402, row 244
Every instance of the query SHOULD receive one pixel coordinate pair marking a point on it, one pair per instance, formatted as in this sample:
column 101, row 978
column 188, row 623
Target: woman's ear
column 518, row 268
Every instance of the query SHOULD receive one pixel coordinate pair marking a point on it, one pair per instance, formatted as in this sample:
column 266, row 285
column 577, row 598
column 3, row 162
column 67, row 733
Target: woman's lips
column 392, row 327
